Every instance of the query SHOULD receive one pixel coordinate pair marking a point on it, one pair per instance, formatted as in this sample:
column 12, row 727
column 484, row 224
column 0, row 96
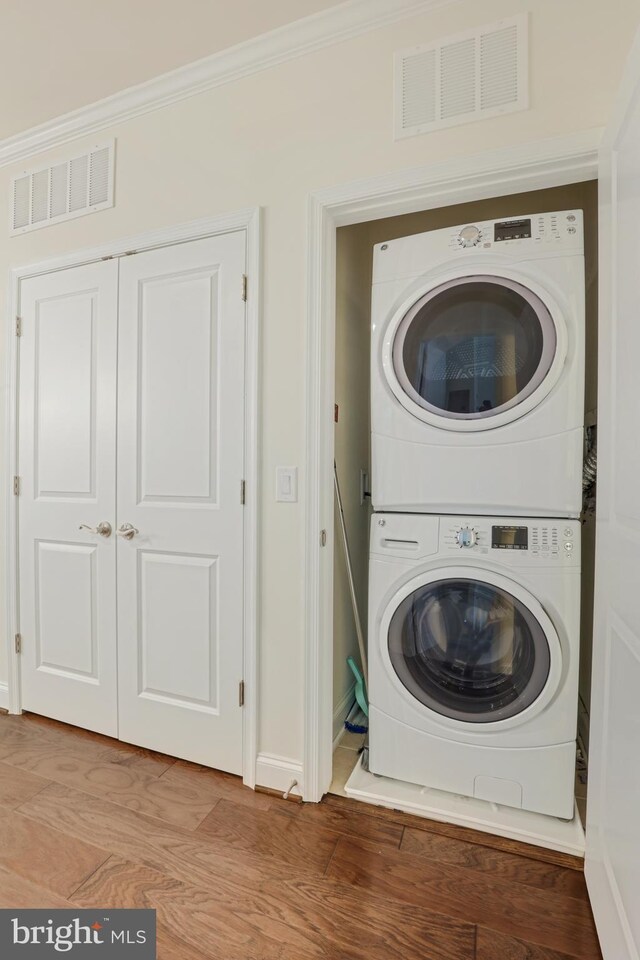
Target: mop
column 356, row 721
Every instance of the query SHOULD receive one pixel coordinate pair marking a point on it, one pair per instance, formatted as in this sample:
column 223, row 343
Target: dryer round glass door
column 474, row 347
column 469, row 650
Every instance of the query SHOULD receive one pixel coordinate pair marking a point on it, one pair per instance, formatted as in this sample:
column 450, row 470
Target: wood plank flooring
column 236, row 875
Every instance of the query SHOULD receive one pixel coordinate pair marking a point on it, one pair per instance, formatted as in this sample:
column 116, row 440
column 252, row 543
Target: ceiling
column 58, row 55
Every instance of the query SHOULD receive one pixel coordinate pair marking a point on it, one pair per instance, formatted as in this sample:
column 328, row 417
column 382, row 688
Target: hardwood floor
column 236, row 875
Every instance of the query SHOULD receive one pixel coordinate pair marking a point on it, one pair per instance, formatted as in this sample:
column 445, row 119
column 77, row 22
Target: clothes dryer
column 477, row 368
column 473, row 656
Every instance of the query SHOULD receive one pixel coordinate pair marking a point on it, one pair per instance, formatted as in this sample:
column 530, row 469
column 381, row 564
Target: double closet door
column 131, row 452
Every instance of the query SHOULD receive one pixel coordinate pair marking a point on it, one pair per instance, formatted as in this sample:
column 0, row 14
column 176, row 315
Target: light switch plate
column 287, row 484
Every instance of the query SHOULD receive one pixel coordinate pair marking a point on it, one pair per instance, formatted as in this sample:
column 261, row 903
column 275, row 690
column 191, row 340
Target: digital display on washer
column 512, row 230
column 510, row 538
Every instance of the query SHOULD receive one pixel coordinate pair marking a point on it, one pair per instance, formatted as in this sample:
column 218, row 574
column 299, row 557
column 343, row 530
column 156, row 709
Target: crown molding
column 339, row 23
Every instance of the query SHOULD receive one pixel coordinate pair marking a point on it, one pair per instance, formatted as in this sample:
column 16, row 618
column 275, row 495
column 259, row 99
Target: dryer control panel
column 513, row 540
column 523, row 238
column 530, row 231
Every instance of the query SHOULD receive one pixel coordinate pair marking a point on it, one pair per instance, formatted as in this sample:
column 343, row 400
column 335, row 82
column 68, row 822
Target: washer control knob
column 469, row 236
column 466, row 537
column 568, row 546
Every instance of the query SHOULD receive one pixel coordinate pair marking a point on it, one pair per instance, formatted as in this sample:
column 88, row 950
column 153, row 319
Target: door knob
column 127, row 531
column 103, row 528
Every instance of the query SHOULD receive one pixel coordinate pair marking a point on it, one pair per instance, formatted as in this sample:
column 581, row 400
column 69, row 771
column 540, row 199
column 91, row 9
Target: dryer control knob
column 469, row 236
column 466, row 537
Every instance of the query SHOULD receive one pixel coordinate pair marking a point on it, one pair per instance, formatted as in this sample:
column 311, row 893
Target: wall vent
column 70, row 188
column 480, row 73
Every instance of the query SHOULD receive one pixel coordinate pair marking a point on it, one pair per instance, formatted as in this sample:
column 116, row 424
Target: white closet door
column 67, row 467
column 180, row 467
column 613, row 820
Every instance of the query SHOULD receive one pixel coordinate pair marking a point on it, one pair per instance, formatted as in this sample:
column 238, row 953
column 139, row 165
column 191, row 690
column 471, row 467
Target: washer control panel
column 544, row 541
column 532, row 230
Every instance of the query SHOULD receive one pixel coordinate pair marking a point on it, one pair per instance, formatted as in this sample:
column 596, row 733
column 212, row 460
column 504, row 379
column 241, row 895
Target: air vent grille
column 74, row 187
column 499, row 68
column 477, row 74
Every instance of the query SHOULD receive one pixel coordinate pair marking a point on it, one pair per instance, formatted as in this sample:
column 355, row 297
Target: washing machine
column 473, row 656
column 477, row 368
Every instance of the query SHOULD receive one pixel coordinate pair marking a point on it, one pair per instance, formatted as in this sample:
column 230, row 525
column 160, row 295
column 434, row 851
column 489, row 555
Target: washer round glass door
column 469, row 650
column 474, row 347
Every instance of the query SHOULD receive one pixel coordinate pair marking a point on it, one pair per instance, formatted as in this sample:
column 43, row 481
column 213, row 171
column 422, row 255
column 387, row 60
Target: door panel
column 180, row 465
column 178, row 340
column 613, row 830
column 65, row 339
column 67, row 468
column 66, row 608
column 178, row 598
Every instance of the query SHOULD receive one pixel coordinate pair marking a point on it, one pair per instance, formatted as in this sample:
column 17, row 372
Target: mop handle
column 352, row 589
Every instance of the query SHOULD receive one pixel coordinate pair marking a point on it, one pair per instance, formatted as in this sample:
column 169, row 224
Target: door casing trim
column 249, row 221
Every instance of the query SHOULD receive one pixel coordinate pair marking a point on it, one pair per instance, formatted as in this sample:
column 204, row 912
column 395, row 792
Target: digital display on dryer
column 512, row 230
column 510, row 538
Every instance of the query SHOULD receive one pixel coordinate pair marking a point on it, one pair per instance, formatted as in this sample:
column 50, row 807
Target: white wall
column 269, row 140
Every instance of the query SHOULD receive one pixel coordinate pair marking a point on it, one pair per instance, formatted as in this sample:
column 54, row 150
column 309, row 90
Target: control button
column 568, row 532
column 571, row 217
column 568, row 546
column 571, row 229
column 466, row 537
column 469, row 236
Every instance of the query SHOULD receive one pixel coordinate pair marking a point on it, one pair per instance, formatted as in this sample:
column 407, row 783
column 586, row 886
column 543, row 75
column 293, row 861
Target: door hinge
column 243, row 492
column 18, row 326
column 241, row 693
column 18, row 643
column 244, row 287
column 16, row 486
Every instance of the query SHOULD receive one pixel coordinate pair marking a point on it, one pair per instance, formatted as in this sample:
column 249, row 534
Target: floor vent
column 70, row 188
column 477, row 74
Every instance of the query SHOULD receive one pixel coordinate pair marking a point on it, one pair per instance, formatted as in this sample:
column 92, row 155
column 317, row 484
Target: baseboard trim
column 278, row 773
column 4, row 696
column 340, row 715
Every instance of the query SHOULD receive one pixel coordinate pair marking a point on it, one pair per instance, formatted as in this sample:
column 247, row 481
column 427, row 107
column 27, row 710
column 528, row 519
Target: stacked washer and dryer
column 477, row 384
